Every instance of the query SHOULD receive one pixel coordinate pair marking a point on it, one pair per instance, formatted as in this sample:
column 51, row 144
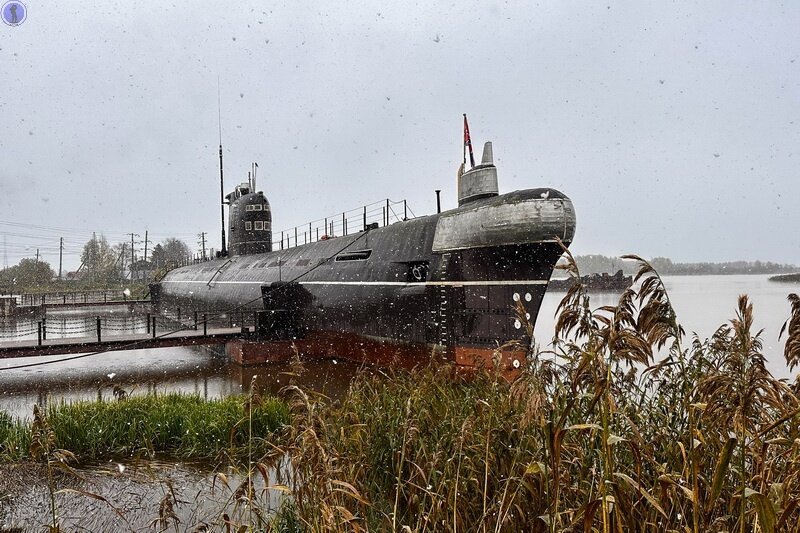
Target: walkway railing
column 66, row 297
column 100, row 327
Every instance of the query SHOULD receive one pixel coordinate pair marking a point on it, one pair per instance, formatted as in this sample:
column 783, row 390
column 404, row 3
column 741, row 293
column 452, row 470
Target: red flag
column 468, row 143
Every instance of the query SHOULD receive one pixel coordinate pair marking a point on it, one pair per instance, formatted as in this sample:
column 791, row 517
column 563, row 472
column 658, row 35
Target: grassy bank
column 182, row 426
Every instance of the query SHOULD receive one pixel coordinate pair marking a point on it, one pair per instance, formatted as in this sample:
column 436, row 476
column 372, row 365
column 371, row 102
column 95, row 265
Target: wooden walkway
column 72, row 345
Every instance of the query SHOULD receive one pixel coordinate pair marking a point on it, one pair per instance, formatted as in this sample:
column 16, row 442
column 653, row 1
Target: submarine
column 450, row 283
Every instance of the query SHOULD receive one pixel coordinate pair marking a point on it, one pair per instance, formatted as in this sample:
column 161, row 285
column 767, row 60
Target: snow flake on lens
column 14, row 13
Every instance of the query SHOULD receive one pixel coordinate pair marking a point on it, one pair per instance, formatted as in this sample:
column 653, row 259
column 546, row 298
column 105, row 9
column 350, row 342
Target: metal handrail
column 351, row 221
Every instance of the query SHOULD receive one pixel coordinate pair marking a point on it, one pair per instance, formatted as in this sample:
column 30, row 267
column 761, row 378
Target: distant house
column 74, row 276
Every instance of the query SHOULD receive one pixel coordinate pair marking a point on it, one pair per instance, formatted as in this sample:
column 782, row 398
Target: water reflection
column 192, row 370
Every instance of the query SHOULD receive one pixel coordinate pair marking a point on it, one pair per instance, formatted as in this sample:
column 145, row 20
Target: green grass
column 182, row 426
column 15, row 438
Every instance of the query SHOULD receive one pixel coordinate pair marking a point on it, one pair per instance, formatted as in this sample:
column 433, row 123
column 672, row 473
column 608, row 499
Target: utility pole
column 202, row 243
column 37, row 255
column 132, row 256
column 145, row 270
column 94, row 254
column 60, row 256
column 221, row 185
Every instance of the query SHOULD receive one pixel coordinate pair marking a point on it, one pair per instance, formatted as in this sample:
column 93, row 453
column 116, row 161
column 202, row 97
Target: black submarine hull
column 448, row 282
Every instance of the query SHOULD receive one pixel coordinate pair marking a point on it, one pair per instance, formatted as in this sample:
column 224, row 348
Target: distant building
column 74, row 276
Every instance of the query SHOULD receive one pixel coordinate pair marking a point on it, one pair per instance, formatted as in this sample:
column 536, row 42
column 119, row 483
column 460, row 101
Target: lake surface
column 702, row 304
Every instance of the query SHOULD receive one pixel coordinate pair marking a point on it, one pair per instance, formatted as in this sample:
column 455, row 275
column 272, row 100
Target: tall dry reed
column 623, row 426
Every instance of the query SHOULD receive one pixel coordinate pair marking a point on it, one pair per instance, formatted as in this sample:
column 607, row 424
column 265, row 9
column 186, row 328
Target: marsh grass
column 626, row 425
column 177, row 425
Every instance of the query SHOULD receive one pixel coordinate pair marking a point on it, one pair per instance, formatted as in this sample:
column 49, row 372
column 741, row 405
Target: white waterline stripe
column 377, row 283
column 435, row 283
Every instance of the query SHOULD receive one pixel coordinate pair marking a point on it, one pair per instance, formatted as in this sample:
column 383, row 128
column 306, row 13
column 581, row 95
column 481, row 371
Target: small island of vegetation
column 787, row 278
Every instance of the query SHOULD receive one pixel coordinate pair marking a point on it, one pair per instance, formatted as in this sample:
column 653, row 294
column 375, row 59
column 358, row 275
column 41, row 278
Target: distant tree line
column 105, row 264
column 590, row 264
column 102, row 266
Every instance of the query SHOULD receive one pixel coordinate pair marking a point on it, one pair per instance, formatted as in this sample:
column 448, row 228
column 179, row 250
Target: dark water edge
column 137, row 495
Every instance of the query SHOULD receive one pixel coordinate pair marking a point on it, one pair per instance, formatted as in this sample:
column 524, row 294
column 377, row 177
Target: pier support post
column 153, row 328
column 205, row 324
column 40, row 334
column 195, row 320
column 99, row 330
column 44, row 328
column 148, row 322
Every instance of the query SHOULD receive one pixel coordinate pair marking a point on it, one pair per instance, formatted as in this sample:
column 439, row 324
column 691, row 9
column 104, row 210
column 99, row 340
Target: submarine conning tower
column 250, row 230
column 480, row 181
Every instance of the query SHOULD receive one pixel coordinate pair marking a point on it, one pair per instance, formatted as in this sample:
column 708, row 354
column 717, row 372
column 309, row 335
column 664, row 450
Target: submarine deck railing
column 382, row 213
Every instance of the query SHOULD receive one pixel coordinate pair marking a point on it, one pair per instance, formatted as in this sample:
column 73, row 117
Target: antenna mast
column 221, row 185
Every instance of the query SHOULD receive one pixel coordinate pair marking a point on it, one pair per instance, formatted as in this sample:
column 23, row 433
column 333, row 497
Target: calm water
column 702, row 303
column 191, row 369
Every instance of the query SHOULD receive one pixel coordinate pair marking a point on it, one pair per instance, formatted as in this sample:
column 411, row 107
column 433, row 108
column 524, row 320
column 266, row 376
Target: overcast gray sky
column 674, row 127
